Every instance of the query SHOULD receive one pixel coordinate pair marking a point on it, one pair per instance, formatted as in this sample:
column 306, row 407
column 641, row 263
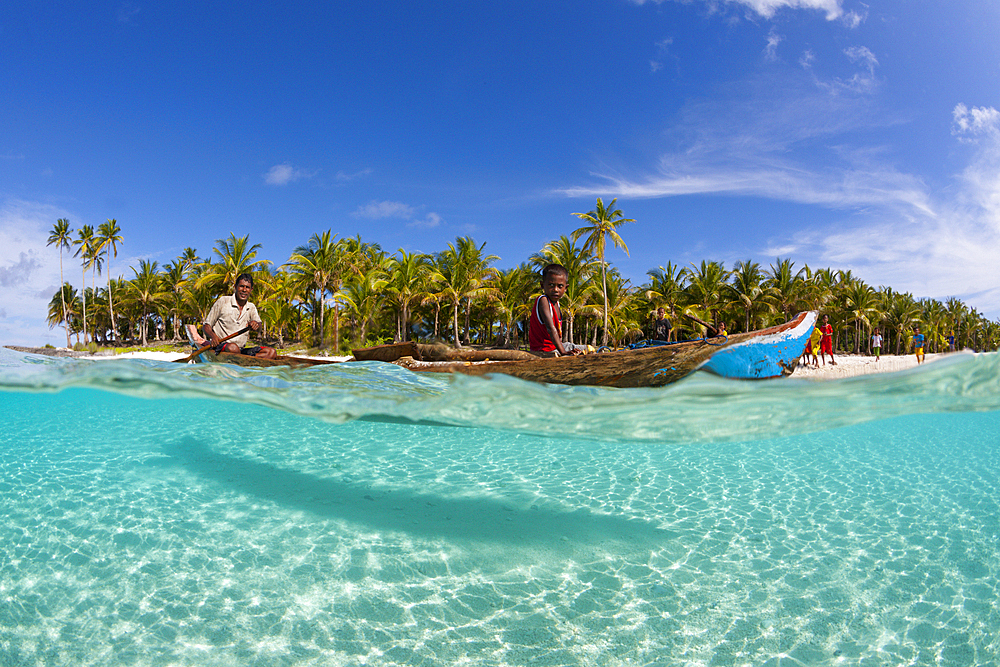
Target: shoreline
column 848, row 365
column 851, row 365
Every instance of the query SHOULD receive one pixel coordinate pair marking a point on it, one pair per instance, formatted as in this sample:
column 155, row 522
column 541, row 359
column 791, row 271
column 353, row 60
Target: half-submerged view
column 607, row 333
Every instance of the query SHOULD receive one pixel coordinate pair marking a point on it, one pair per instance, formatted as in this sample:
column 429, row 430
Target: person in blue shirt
column 918, row 344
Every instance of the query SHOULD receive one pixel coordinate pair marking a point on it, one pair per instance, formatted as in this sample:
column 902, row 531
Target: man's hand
column 254, row 325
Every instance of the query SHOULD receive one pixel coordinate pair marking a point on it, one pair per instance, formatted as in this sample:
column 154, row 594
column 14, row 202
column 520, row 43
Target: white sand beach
column 850, row 365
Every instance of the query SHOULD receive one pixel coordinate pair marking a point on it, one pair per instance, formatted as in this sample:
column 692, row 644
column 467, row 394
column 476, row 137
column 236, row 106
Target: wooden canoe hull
column 759, row 354
column 771, row 353
column 254, row 362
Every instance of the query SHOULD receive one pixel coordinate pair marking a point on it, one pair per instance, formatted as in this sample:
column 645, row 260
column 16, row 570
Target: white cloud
column 29, row 273
column 814, row 149
column 853, row 19
column 430, row 221
column 347, row 178
column 969, row 124
column 384, row 209
column 768, row 8
column 377, row 210
column 771, row 50
column 283, row 174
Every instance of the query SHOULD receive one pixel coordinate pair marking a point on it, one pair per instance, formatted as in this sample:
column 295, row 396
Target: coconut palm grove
column 334, row 294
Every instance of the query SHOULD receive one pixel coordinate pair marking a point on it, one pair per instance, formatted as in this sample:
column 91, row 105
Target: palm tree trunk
column 83, row 294
column 111, row 312
column 322, row 323
column 604, row 284
column 62, row 295
column 454, row 322
column 336, row 326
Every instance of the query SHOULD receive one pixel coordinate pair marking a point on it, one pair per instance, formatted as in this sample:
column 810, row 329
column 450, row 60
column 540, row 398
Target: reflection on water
column 203, row 531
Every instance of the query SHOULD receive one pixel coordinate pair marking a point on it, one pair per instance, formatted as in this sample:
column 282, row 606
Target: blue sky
column 838, row 133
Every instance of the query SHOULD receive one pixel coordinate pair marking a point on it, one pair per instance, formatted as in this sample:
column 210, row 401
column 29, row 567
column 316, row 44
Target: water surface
column 159, row 514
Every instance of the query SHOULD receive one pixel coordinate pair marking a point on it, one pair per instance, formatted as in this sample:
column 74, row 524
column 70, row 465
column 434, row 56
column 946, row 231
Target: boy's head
column 554, row 279
column 660, row 313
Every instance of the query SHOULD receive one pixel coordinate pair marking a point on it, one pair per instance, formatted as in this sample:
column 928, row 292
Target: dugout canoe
column 201, row 355
column 766, row 353
column 242, row 360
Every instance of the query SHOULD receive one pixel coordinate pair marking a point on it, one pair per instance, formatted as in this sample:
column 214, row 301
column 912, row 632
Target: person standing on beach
column 918, row 344
column 233, row 312
column 877, row 343
column 661, row 326
column 545, row 325
column 814, row 338
column 826, row 341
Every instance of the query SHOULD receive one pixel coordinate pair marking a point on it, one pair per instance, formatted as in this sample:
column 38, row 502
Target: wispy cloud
column 127, row 13
column 969, row 125
column 951, row 251
column 771, row 50
column 343, row 177
column 377, row 210
column 29, row 272
column 814, row 147
column 768, row 8
column 384, row 209
column 283, row 174
column 19, row 273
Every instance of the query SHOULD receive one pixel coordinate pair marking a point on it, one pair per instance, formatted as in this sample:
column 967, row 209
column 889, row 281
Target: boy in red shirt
column 545, row 325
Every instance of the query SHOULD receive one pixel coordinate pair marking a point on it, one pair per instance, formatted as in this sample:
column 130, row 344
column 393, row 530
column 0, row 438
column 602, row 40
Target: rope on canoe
column 714, row 340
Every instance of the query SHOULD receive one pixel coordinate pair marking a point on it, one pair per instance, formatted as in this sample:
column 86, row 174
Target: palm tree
column 862, row 308
column 604, row 223
column 63, row 308
column 901, row 314
column 109, row 236
column 751, row 293
column 666, row 289
column 90, row 255
column 276, row 308
column 706, row 287
column 146, row 289
column 407, row 284
column 188, row 258
column 461, row 271
column 513, row 296
column 479, row 273
column 175, row 279
column 957, row 312
column 236, row 256
column 60, row 237
column 788, row 285
column 623, row 310
column 363, row 295
column 315, row 266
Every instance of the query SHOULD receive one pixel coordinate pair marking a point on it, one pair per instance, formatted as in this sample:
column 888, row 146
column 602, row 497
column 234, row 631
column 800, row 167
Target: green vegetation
column 334, row 294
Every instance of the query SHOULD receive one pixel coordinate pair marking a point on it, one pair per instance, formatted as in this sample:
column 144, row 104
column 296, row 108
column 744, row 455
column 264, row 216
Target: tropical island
column 334, row 294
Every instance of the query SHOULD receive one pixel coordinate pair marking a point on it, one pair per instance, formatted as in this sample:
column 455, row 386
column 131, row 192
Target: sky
column 836, row 133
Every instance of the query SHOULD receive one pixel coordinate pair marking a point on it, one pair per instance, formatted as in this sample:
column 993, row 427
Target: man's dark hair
column 554, row 269
column 244, row 277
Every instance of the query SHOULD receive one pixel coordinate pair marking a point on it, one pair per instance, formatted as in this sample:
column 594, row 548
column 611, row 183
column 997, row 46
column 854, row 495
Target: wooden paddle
column 211, row 345
column 701, row 322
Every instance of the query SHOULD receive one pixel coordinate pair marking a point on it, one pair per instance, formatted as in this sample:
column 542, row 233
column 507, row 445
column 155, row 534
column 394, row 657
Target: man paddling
column 231, row 313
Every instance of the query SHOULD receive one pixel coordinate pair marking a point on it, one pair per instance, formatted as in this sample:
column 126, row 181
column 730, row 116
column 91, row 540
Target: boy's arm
column 545, row 315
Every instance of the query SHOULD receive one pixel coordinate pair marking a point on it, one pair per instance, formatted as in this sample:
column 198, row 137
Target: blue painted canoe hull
column 772, row 354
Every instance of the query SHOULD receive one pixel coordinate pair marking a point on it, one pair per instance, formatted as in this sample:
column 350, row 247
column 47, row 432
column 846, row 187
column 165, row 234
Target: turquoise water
column 159, row 514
